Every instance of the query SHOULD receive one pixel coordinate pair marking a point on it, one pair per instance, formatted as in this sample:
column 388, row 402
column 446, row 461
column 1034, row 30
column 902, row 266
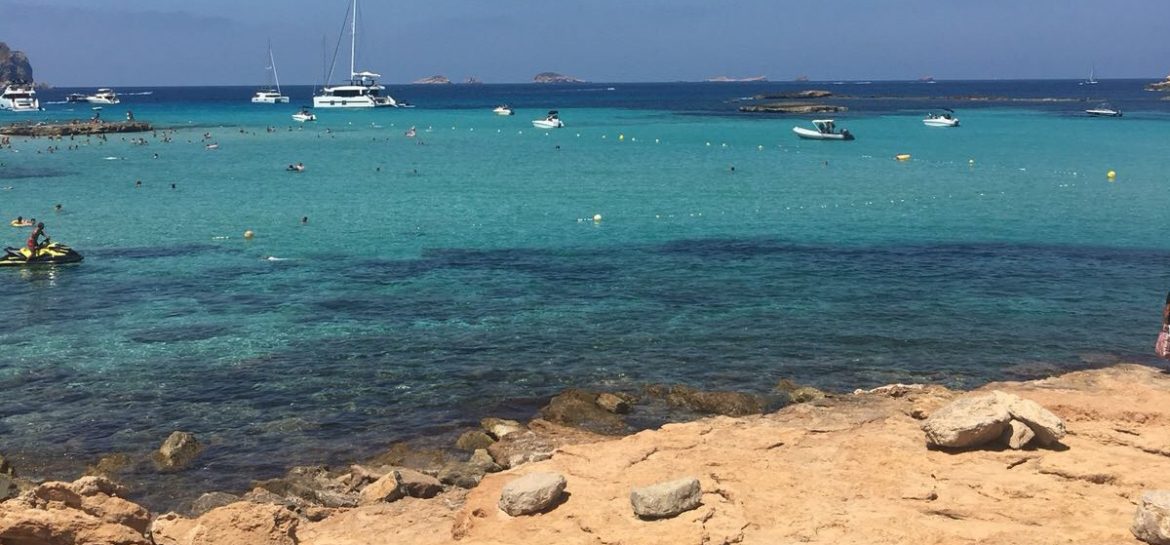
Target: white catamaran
column 362, row 90
column 269, row 94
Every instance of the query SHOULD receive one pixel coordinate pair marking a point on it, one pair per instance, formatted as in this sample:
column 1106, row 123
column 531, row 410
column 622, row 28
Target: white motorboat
column 946, row 119
column 503, row 109
column 270, row 94
column 19, row 97
column 551, row 121
column 362, row 90
column 1103, row 110
column 826, row 130
column 304, row 115
column 76, row 97
column 103, row 96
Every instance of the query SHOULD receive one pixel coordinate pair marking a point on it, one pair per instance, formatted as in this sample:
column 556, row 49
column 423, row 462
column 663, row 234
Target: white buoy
column 596, row 217
column 248, row 235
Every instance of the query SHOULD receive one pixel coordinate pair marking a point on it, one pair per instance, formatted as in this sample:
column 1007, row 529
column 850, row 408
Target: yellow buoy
column 621, row 137
column 249, row 234
column 1111, row 175
column 902, row 157
column 596, row 217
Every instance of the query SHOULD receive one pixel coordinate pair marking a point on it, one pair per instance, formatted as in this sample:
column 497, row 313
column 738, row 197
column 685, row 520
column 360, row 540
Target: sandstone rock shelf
column 838, row 469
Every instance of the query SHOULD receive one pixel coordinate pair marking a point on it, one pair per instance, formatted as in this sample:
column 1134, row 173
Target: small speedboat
column 1103, row 110
column 76, row 97
column 826, row 130
column 503, row 109
column 304, row 115
column 53, row 253
column 946, row 119
column 551, row 121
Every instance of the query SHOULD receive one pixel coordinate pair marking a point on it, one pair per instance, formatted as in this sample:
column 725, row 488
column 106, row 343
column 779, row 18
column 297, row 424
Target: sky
column 223, row 42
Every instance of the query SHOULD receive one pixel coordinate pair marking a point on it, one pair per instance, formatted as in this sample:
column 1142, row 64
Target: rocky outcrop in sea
column 553, row 77
column 14, row 65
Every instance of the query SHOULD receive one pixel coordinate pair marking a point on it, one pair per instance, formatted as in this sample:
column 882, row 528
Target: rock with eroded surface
column 666, row 499
column 1151, row 522
column 532, row 493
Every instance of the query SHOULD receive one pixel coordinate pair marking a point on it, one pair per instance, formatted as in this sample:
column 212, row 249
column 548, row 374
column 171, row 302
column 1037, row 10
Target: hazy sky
column 222, row 42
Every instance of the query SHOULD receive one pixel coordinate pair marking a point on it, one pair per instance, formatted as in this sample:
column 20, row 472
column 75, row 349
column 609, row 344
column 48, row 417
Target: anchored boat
column 826, row 130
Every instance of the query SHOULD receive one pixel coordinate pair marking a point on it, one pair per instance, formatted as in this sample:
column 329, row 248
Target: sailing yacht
column 362, row 90
column 270, row 95
column 1091, row 80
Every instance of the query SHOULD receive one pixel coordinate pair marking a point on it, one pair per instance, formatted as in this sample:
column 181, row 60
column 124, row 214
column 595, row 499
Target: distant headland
column 553, row 77
column 726, row 79
column 14, row 65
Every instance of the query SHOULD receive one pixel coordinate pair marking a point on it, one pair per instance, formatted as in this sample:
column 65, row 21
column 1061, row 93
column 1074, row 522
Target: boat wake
column 138, row 94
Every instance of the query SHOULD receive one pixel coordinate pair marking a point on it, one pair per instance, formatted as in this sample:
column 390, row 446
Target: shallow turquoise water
column 460, row 273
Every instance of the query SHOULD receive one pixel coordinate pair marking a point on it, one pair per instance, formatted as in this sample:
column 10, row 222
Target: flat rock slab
column 532, row 493
column 668, row 499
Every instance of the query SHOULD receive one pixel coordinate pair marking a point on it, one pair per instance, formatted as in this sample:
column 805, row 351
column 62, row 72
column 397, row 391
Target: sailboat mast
column 353, row 41
column 272, row 63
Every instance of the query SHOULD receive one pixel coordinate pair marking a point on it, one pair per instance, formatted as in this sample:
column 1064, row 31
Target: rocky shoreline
column 823, row 469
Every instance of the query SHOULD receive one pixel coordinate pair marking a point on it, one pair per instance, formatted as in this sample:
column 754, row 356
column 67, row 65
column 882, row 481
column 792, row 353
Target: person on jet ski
column 34, row 242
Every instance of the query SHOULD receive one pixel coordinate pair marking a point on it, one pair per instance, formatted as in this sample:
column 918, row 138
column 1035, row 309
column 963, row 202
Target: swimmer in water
column 304, row 220
column 137, row 184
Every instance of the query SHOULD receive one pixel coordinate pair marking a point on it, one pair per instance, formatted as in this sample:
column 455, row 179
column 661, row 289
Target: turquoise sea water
column 460, row 273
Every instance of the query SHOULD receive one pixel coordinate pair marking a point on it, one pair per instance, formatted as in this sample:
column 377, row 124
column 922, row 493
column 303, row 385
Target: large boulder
column 241, row 523
column 967, row 422
column 87, row 510
column 666, row 499
column 177, row 451
column 1151, row 522
column 468, row 474
column 1048, row 427
column 579, row 409
column 975, row 420
column 532, row 493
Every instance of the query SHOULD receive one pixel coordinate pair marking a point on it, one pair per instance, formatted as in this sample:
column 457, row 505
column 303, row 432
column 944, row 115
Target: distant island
column 14, row 65
column 726, row 79
column 433, row 80
column 553, row 77
column 1163, row 85
column 801, row 78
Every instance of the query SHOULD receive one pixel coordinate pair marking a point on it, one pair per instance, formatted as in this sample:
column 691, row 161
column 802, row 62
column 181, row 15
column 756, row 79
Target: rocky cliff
column 553, row 77
column 14, row 65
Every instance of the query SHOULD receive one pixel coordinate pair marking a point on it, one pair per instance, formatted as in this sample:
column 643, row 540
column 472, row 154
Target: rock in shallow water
column 179, row 449
column 532, row 493
column 472, row 440
column 668, row 499
column 579, row 409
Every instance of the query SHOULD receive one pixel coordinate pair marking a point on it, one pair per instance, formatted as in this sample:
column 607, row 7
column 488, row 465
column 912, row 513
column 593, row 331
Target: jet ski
column 53, row 253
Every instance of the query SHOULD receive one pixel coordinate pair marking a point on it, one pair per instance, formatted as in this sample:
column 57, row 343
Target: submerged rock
column 314, row 485
column 579, row 409
column 709, row 402
column 177, row 451
column 500, row 428
column 613, row 403
column 211, row 500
